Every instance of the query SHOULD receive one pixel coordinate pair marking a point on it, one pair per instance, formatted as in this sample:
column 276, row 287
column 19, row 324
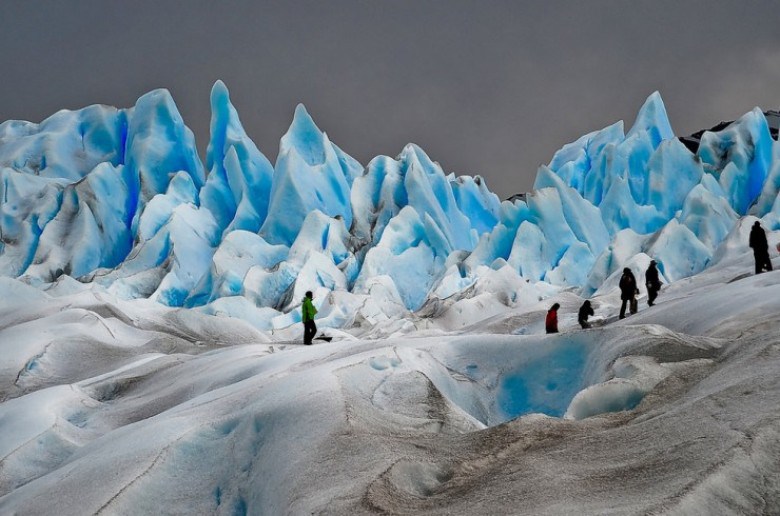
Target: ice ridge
column 120, row 197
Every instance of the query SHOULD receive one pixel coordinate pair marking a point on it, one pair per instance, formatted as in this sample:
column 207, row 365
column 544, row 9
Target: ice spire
column 652, row 118
column 311, row 174
column 239, row 183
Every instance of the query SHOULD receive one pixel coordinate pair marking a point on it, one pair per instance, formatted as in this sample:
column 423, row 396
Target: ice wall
column 120, row 197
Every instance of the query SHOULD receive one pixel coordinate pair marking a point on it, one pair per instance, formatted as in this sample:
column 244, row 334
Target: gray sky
column 490, row 88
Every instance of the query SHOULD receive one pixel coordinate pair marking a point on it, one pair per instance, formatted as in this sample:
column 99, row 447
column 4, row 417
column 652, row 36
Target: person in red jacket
column 551, row 321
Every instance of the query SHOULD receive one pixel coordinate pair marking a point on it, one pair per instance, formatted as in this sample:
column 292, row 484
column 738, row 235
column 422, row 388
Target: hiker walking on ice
column 652, row 282
column 628, row 291
column 760, row 248
column 307, row 316
column 551, row 321
column 585, row 311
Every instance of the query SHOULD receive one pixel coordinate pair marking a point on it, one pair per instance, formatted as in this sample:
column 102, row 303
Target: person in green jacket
column 307, row 315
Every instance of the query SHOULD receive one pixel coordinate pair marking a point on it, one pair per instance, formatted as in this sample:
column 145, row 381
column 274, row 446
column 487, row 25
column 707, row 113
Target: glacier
column 150, row 329
column 119, row 198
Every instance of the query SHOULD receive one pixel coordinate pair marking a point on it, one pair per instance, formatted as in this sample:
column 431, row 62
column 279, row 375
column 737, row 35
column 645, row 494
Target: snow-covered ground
column 128, row 407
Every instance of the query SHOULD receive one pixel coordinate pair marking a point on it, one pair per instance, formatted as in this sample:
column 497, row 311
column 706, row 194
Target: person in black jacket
column 652, row 282
column 760, row 248
column 585, row 311
column 628, row 291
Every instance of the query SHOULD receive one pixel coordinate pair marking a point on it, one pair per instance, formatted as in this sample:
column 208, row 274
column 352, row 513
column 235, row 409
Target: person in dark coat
column 628, row 291
column 585, row 311
column 760, row 248
column 551, row 321
column 307, row 316
column 652, row 282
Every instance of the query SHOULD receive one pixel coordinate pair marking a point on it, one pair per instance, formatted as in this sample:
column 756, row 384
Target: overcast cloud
column 490, row 88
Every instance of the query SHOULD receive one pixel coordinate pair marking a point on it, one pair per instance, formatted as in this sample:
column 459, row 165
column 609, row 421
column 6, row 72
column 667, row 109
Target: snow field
column 408, row 424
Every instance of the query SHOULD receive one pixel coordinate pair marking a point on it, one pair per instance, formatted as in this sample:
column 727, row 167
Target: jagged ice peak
column 120, row 197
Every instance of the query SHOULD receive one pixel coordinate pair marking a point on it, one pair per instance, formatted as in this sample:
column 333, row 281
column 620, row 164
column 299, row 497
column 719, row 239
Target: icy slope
column 113, row 407
column 120, row 197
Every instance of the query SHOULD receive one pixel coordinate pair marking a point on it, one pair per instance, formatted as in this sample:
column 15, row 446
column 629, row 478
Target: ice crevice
column 31, row 363
column 160, row 457
column 746, row 461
